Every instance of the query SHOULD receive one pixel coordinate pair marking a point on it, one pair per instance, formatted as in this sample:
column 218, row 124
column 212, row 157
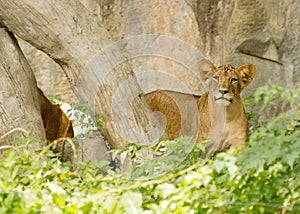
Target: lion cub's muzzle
column 223, row 97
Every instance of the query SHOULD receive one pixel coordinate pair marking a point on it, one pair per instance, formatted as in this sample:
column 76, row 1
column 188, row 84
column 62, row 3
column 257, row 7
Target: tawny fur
column 56, row 123
column 218, row 115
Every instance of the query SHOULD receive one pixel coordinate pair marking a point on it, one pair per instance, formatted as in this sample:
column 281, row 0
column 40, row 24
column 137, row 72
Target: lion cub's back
column 177, row 112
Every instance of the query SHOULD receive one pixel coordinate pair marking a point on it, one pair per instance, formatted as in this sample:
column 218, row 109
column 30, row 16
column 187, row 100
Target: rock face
column 260, row 32
column 161, row 40
column 165, row 39
column 50, row 77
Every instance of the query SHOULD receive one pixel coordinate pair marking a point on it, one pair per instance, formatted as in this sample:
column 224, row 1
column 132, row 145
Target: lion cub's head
column 225, row 83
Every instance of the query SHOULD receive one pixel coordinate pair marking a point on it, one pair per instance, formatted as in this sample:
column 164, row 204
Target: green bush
column 262, row 178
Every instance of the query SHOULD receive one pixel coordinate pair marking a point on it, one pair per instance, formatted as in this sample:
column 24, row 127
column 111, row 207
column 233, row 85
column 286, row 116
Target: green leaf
column 110, row 205
column 59, row 199
column 164, row 190
column 132, row 202
column 87, row 207
column 123, row 156
column 54, row 188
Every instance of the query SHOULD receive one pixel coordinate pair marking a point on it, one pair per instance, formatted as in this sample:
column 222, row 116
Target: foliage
column 262, row 178
column 79, row 113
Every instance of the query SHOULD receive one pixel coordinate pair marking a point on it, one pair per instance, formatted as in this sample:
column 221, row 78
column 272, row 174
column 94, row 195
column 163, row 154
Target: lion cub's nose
column 223, row 91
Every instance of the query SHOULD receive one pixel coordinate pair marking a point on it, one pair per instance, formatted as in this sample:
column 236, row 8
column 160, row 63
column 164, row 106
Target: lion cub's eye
column 216, row 78
column 233, row 80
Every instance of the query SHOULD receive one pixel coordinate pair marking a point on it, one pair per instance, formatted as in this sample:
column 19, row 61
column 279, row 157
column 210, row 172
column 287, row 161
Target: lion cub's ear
column 246, row 73
column 206, row 70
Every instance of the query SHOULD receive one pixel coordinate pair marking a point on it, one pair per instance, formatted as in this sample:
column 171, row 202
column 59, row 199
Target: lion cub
column 218, row 116
column 56, row 122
